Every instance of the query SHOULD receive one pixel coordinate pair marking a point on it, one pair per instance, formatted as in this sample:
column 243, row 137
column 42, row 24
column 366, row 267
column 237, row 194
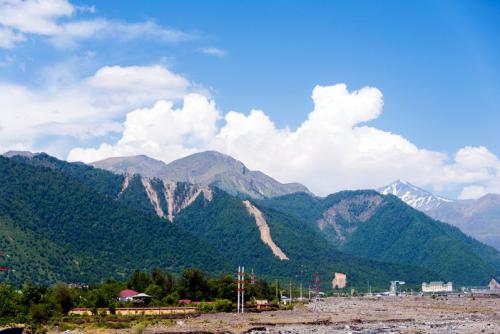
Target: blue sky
column 437, row 64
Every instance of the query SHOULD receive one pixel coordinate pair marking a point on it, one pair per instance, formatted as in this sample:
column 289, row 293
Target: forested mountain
column 367, row 224
column 208, row 168
column 71, row 222
column 55, row 226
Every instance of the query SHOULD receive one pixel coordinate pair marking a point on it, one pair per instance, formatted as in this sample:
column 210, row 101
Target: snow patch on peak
column 414, row 196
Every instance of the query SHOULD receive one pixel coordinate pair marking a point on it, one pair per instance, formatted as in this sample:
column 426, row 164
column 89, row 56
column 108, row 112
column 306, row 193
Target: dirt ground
column 355, row 315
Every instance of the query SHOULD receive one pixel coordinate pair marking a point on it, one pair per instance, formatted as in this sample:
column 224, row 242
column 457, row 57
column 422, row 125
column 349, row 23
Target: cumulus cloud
column 161, row 131
column 57, row 20
column 333, row 149
column 85, row 108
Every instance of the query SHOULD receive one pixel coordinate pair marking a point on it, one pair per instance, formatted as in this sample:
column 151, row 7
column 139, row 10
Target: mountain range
column 479, row 218
column 74, row 222
column 208, row 168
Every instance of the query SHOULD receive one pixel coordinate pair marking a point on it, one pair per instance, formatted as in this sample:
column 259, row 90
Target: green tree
column 156, row 292
column 62, row 296
column 194, row 285
column 139, row 281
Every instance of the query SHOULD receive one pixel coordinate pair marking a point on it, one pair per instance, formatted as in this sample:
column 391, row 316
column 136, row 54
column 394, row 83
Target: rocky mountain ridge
column 414, row 196
column 208, row 168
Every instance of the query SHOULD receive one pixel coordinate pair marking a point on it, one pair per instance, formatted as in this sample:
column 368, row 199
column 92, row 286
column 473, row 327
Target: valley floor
column 358, row 315
column 350, row 315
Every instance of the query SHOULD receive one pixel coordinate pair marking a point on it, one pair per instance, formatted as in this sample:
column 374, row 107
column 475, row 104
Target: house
column 141, row 298
column 437, row 287
column 285, row 300
column 126, row 295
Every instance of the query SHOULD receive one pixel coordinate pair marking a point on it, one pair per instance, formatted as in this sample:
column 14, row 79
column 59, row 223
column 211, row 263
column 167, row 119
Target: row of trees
column 39, row 303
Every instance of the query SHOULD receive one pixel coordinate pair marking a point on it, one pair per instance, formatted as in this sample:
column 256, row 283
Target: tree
column 139, row 281
column 61, row 295
column 223, row 287
column 156, row 293
column 164, row 280
column 194, row 285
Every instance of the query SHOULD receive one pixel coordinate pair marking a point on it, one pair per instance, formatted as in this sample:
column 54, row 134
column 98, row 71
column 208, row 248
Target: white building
column 437, row 287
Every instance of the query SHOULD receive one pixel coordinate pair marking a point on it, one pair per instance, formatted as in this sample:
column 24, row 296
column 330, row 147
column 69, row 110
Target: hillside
column 56, row 227
column 224, row 222
column 71, row 222
column 479, row 218
column 367, row 224
column 209, row 168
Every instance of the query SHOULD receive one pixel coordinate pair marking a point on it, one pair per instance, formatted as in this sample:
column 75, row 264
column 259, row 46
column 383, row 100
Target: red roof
column 127, row 293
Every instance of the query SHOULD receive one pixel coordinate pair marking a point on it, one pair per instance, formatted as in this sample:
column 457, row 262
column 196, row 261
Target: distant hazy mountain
column 208, row 168
column 414, row 196
column 479, row 218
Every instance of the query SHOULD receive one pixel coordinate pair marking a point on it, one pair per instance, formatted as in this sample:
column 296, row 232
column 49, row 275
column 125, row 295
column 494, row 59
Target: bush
column 206, row 308
column 223, row 305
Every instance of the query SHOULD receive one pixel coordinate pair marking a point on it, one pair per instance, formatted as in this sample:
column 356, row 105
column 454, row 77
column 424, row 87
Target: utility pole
column 301, row 272
column 243, row 290
column 290, row 291
column 277, row 287
column 238, row 290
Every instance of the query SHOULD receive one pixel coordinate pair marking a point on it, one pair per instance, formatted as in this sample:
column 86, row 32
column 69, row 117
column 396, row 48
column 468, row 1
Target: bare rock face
column 265, row 232
column 209, row 168
column 345, row 216
column 167, row 199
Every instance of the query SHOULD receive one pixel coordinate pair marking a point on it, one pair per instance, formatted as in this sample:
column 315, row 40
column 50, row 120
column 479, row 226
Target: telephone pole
column 238, row 290
column 243, row 290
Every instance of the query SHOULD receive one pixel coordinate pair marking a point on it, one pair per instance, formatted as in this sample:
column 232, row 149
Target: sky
column 335, row 95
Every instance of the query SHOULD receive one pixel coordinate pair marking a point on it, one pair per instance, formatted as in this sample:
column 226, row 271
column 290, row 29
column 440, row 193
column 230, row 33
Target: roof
column 141, row 295
column 127, row 293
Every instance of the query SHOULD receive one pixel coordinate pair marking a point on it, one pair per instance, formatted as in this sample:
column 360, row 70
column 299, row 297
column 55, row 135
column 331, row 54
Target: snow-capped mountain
column 414, row 196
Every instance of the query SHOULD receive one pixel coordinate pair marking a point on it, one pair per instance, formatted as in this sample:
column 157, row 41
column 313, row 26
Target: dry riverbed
column 350, row 315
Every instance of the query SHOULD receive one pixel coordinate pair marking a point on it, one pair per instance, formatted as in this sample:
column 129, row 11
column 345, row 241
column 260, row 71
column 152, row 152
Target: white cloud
column 35, row 17
column 57, row 20
column 211, row 51
column 9, row 38
column 333, row 149
column 161, row 130
column 85, row 108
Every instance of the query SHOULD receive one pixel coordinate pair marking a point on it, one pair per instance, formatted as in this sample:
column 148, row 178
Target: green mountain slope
column 101, row 237
column 225, row 223
column 75, row 223
column 367, row 224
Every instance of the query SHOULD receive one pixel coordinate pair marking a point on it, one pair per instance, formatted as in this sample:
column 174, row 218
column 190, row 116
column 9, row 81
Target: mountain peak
column 208, row 168
column 414, row 196
column 26, row 154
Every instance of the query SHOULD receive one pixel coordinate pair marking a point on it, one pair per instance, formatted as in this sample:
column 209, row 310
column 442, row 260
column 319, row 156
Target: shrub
column 223, row 305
